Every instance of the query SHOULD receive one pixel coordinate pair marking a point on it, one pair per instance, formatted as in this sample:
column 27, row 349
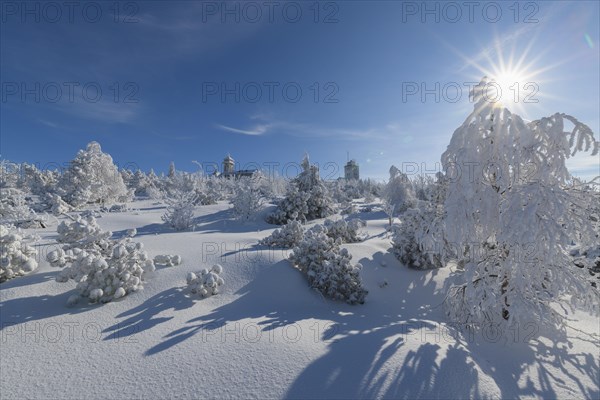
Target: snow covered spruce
column 416, row 240
column 288, row 236
column 83, row 232
column 328, row 268
column 346, row 230
column 248, row 199
column 17, row 258
column 104, row 269
column 307, row 198
column 399, row 191
column 206, row 282
column 92, row 177
column 15, row 209
column 180, row 211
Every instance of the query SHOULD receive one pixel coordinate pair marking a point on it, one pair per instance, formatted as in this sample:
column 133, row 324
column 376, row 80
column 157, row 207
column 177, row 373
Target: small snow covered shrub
column 416, row 243
column 57, row 205
column 180, row 211
column 102, row 278
column 288, row 236
column 16, row 257
column 206, row 283
column 307, row 198
column 347, row 231
column 83, row 233
column 248, row 199
column 167, row 260
column 104, row 269
column 115, row 208
column 328, row 267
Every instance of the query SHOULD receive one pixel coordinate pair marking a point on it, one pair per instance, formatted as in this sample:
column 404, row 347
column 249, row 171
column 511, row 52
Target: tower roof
column 228, row 158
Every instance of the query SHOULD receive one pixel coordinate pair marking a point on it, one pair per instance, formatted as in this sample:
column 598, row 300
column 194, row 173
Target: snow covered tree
column 139, row 183
column 103, row 269
column 36, row 182
column 328, row 267
column 248, row 200
column 399, row 191
column 307, row 198
column 346, row 231
column 287, row 237
column 92, row 177
column 9, row 174
column 506, row 196
column 16, row 256
column 206, row 282
column 180, row 211
column 57, row 205
column 419, row 240
column 16, row 210
column 83, row 232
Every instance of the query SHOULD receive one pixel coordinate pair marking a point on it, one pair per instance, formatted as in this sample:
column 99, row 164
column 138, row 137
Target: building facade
column 229, row 169
column 351, row 170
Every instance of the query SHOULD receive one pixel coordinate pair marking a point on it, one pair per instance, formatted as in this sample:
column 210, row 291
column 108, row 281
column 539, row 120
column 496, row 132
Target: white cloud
column 311, row 130
column 256, row 131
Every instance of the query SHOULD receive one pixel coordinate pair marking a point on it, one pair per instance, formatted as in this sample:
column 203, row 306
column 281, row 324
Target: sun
column 515, row 77
column 512, row 87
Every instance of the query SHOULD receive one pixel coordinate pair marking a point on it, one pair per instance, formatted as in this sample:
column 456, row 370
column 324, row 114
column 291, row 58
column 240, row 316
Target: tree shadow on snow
column 30, row 279
column 549, row 352
column 27, row 309
column 144, row 316
column 150, row 229
column 258, row 300
column 223, row 222
column 367, row 360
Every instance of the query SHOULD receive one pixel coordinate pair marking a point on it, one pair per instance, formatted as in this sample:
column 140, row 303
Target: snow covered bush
column 248, row 200
column 15, row 210
column 83, row 232
column 140, row 183
column 167, row 260
column 115, row 208
column 34, row 181
column 104, row 269
column 288, row 236
column 507, row 195
column 206, row 282
column 102, row 278
column 57, row 205
column 92, row 177
column 307, row 198
column 16, row 257
column 347, row 231
column 418, row 242
column 9, row 174
column 328, row 267
column 399, row 191
column 180, row 211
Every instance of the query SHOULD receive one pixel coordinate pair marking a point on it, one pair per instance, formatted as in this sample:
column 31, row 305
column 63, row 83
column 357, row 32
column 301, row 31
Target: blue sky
column 170, row 61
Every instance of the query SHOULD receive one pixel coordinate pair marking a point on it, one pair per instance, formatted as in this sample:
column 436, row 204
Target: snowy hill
column 267, row 334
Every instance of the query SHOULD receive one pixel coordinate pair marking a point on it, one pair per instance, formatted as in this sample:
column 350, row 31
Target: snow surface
column 267, row 334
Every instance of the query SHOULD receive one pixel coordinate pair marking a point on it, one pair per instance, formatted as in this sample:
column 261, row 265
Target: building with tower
column 229, row 169
column 351, row 170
